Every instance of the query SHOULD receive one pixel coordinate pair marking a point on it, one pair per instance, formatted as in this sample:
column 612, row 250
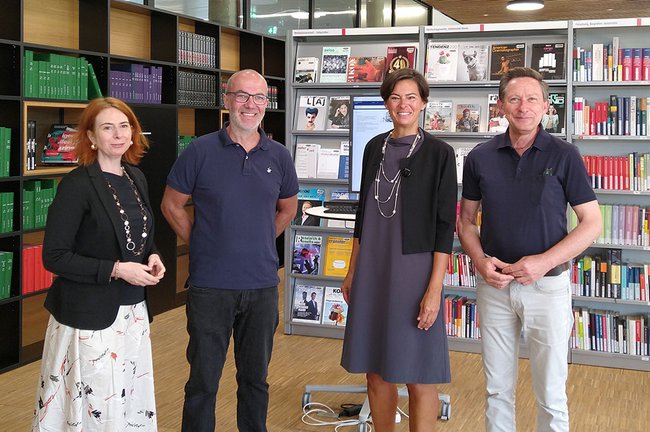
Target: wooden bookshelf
column 106, row 32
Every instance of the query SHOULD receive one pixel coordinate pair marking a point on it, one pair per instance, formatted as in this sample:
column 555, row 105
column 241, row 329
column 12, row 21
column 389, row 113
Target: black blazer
column 84, row 236
column 428, row 196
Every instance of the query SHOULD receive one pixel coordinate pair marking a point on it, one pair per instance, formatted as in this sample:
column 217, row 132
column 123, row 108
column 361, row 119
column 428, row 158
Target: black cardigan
column 428, row 195
column 83, row 238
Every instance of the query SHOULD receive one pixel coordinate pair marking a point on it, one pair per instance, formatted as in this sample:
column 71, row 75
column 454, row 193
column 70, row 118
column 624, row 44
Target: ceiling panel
column 484, row 11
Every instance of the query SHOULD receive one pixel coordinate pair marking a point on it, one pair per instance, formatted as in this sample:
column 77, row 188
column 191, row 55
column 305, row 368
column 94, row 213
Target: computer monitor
column 369, row 118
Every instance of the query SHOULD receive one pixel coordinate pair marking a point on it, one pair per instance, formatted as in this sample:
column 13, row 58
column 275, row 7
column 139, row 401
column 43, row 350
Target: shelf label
column 382, row 30
column 319, row 32
column 623, row 22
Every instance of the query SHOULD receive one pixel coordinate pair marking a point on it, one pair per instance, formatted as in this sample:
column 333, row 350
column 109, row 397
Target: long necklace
column 395, row 181
column 130, row 244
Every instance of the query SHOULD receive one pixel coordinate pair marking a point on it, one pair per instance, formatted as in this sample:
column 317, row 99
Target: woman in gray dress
column 403, row 237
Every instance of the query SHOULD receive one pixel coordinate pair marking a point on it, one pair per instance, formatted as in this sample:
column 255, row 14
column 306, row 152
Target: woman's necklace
column 130, row 244
column 396, row 181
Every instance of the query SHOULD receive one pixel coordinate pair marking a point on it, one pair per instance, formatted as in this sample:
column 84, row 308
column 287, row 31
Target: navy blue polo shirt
column 524, row 199
column 232, row 245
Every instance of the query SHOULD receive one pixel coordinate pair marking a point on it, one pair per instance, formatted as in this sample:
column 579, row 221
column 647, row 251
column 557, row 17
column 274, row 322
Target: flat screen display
column 369, row 118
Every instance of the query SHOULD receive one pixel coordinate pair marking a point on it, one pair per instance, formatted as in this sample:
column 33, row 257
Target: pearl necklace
column 130, row 244
column 396, row 181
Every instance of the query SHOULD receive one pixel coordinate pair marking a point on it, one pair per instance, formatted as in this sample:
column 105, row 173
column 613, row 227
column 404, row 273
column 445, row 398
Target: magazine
column 400, row 57
column 337, row 256
column 306, row 254
column 335, row 309
column 335, row 64
column 553, row 119
column 366, row 69
column 473, row 62
column 306, row 70
column 311, row 113
column 497, row 121
column 442, row 59
column 468, row 117
column 548, row 59
column 505, row 57
column 307, row 303
column 308, row 198
column 338, row 116
column 438, row 116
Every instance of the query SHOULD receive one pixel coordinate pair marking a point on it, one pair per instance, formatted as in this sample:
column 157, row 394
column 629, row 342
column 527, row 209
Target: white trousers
column 543, row 312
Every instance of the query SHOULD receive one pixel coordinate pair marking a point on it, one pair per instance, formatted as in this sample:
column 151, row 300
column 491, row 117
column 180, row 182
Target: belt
column 558, row 270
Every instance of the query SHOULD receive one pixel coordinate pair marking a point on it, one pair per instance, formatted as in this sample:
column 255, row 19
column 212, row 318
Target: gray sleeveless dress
column 381, row 335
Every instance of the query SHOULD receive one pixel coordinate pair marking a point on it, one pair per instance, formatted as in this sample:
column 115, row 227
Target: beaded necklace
column 396, row 181
column 130, row 244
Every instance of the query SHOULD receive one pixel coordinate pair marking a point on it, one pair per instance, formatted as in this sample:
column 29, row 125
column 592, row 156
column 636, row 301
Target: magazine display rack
column 463, row 64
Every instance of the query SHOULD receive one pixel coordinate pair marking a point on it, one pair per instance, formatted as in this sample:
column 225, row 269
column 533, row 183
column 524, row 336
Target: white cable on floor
column 322, row 410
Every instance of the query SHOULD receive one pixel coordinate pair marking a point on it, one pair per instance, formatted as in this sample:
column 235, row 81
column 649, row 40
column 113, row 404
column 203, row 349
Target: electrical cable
column 312, row 410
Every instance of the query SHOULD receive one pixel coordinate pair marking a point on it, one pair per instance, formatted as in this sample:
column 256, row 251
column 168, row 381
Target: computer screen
column 369, row 118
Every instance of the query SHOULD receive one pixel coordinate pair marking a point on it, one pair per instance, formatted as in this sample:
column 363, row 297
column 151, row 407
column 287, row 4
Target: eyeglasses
column 242, row 97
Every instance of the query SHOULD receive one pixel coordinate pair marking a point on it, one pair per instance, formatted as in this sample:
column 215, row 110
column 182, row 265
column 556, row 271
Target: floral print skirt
column 97, row 380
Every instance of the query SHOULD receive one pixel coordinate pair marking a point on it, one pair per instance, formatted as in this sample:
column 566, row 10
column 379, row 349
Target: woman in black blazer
column 96, row 371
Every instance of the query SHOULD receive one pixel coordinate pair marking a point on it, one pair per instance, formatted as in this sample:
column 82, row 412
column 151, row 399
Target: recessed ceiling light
column 525, row 5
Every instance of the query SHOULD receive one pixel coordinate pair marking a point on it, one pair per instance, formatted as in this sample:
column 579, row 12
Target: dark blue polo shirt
column 524, row 199
column 232, row 245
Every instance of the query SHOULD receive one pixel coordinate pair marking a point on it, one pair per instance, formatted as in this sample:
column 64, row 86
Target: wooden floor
column 600, row 399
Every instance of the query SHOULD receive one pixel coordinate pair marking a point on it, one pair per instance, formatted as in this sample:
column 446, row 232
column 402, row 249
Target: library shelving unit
column 107, row 33
column 475, row 94
column 570, row 34
column 310, row 43
column 590, row 35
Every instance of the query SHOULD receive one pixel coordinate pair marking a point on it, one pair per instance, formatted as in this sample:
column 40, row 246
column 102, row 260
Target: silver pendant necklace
column 395, row 181
column 130, row 244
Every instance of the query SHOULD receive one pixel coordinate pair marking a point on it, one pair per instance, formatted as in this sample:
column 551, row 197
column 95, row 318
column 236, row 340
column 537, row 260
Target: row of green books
column 5, row 151
column 57, row 76
column 37, row 197
column 6, row 266
column 183, row 142
column 6, row 212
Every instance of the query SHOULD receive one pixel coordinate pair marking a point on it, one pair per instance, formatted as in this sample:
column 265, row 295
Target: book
column 344, row 160
column 338, row 113
column 311, row 113
column 308, row 198
column 468, row 117
column 307, row 160
column 548, row 59
column 437, row 116
column 307, row 303
column 366, row 69
column 505, row 57
column 306, row 254
column 334, row 64
column 461, row 154
column 553, row 119
column 335, row 309
column 306, row 70
column 497, row 121
column 473, row 61
column 400, row 57
column 337, row 256
column 442, row 61
column 60, row 145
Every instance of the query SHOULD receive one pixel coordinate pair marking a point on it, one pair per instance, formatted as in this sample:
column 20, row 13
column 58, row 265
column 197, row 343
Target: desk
column 320, row 212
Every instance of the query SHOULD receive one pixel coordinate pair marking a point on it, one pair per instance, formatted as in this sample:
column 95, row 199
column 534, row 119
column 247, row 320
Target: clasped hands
column 525, row 271
column 143, row 274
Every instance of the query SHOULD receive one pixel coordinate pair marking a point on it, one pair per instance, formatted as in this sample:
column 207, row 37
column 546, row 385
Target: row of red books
column 35, row 277
column 620, row 116
column 630, row 172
